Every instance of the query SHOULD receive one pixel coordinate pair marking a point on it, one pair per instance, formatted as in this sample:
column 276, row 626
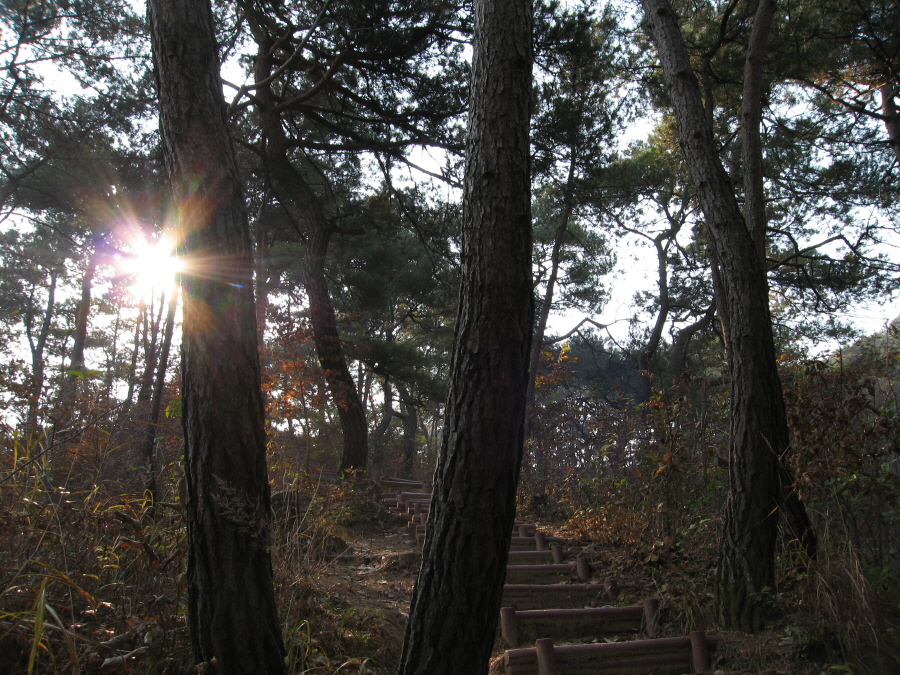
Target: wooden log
column 651, row 616
column 404, row 483
column 540, row 574
column 557, row 551
column 509, row 626
column 700, row 652
column 532, row 558
column 612, row 589
column 523, row 544
column 530, row 596
column 538, row 542
column 521, row 627
column 662, row 656
column 583, row 568
column 546, row 658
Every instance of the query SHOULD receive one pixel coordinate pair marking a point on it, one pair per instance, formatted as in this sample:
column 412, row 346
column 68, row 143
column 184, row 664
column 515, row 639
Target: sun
column 154, row 267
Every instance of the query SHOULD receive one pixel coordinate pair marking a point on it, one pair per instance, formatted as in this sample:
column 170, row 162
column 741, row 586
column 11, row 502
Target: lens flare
column 154, row 267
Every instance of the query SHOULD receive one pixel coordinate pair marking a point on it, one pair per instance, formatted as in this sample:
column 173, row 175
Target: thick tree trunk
column 149, row 449
column 306, row 207
column 757, row 223
column 456, row 601
column 759, row 432
column 231, row 604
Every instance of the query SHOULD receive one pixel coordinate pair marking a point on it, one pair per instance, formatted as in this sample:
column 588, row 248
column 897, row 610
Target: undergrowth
column 94, row 579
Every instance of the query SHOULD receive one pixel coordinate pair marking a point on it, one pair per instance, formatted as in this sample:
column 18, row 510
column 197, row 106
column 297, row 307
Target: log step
column 548, row 574
column 523, row 627
column 661, row 656
column 539, row 542
column 555, row 596
column 534, row 558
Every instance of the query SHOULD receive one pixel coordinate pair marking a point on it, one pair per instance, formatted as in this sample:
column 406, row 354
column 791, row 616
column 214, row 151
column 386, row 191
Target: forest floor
column 366, row 589
column 344, row 574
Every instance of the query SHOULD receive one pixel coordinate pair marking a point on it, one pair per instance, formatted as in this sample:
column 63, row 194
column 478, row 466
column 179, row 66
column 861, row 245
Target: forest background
column 356, row 243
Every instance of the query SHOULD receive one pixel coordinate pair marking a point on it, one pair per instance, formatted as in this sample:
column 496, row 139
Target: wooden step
column 533, row 558
column 402, row 483
column 538, row 542
column 548, row 574
column 554, row 596
column 661, row 656
column 524, row 627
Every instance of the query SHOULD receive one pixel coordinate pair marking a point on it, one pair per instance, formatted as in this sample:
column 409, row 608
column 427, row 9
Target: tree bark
column 758, row 433
column 231, row 604
column 455, row 605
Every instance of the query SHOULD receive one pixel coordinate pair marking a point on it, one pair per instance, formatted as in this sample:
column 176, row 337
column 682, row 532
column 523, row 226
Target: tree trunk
column 231, row 604
column 378, row 434
column 751, row 121
column 538, row 339
column 305, row 206
column 889, row 92
column 456, row 602
column 149, row 449
column 330, row 352
column 662, row 282
column 410, row 418
column 152, row 322
column 82, row 312
column 69, row 385
column 756, row 221
column 132, row 368
column 38, row 345
column 681, row 340
column 759, row 433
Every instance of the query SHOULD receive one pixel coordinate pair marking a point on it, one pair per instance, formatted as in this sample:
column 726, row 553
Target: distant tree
column 577, row 116
column 231, row 605
column 330, row 84
column 456, row 601
column 33, row 272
